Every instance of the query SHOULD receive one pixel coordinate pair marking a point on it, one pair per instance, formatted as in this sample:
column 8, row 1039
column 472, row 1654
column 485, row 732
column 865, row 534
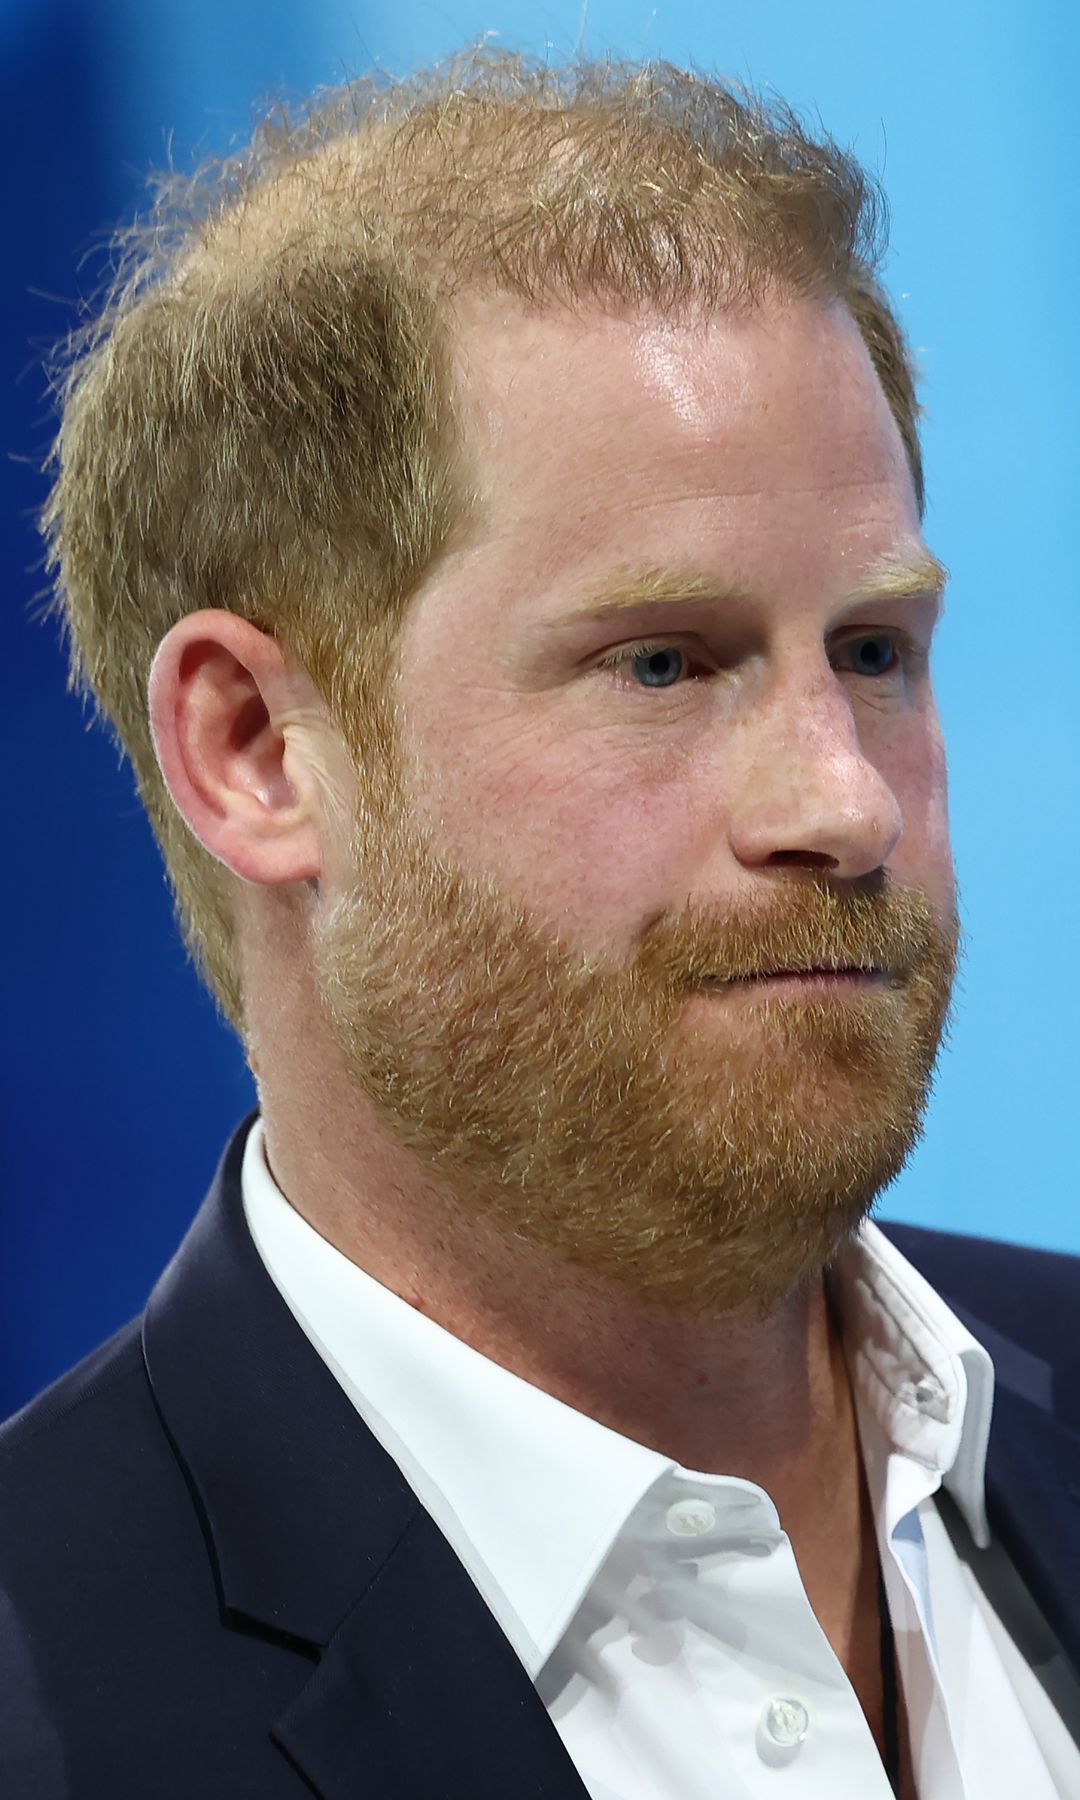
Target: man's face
column 547, row 958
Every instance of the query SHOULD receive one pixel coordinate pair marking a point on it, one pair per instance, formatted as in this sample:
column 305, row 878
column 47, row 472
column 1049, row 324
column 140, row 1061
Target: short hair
column 260, row 416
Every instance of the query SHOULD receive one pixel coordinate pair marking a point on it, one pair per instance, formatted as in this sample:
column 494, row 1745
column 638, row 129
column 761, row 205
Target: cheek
column 920, row 782
column 577, row 828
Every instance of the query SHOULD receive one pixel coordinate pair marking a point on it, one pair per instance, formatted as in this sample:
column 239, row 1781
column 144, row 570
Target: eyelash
column 906, row 653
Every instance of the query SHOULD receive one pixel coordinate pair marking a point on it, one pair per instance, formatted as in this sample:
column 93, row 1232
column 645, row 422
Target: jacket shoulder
column 88, row 1382
column 111, row 1639
column 73, row 1480
column 72, row 1459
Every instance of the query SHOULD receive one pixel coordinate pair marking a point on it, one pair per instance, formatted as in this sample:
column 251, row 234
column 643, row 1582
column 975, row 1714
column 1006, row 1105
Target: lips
column 817, row 969
column 816, row 972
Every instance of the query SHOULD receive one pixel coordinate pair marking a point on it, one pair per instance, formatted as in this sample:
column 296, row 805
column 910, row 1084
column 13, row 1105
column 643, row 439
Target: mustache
column 876, row 925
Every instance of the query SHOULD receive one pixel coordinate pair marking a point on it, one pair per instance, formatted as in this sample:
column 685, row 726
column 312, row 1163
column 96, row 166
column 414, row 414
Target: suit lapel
column 316, row 1536
column 420, row 1694
column 1033, row 1503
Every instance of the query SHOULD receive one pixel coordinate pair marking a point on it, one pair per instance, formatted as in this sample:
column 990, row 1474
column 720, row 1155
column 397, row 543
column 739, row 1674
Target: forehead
column 598, row 442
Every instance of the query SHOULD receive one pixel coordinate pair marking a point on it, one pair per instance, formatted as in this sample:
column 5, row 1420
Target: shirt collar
column 916, row 1369
column 503, row 1467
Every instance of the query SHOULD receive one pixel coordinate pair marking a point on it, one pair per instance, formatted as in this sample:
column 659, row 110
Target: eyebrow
column 893, row 576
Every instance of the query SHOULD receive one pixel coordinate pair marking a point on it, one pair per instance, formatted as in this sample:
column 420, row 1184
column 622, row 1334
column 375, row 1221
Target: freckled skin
column 757, row 451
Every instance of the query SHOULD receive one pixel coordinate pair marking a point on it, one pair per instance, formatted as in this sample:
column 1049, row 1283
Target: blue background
column 120, row 1085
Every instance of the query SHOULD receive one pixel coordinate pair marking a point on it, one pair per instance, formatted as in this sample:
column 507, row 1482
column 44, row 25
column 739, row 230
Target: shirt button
column 782, row 1729
column 689, row 1518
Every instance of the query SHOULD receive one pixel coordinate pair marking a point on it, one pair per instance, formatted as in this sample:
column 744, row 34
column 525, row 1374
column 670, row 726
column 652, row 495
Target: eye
column 875, row 655
column 649, row 665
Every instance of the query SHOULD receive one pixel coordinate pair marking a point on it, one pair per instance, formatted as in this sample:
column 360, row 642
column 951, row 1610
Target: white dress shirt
column 659, row 1611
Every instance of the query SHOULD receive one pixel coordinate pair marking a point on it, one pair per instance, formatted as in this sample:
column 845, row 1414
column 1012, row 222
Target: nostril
column 810, row 859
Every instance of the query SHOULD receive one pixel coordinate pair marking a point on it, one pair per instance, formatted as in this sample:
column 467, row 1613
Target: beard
column 701, row 1146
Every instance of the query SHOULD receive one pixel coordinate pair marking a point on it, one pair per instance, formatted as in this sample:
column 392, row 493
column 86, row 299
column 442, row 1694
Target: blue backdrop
column 120, row 1085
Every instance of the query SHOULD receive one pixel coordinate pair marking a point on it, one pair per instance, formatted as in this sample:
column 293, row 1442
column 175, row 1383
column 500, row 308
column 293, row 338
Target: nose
column 810, row 795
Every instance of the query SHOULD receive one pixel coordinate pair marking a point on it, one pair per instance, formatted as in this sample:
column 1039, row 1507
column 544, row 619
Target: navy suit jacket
column 215, row 1582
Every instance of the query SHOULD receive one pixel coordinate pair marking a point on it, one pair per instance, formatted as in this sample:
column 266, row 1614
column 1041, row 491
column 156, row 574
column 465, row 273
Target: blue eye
column 659, row 668
column 872, row 656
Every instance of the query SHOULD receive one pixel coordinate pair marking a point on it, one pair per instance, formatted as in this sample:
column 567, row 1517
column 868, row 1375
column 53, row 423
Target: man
column 490, row 517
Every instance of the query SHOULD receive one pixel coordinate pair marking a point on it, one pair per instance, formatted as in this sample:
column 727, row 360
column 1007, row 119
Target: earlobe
column 215, row 688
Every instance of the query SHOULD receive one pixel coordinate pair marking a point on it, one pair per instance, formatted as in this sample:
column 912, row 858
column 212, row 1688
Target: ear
column 228, row 719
